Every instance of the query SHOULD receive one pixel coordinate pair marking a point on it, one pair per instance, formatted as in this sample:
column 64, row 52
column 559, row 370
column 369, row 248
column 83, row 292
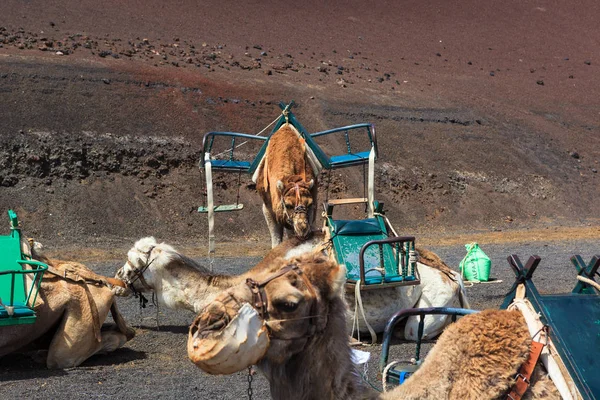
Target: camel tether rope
column 590, row 282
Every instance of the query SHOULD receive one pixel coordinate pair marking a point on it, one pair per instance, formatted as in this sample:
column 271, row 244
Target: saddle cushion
column 368, row 226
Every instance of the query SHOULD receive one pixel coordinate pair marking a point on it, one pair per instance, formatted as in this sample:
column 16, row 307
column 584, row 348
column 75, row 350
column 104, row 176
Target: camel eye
column 286, row 306
column 289, row 206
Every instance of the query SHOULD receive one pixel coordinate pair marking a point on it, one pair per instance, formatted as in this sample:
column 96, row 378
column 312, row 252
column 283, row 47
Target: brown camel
column 307, row 355
column 287, row 185
column 73, row 302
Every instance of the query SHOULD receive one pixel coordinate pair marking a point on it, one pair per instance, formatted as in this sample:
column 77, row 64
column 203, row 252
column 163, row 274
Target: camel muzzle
column 220, row 344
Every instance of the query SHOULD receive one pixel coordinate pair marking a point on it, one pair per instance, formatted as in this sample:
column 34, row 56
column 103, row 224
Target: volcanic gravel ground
column 154, row 364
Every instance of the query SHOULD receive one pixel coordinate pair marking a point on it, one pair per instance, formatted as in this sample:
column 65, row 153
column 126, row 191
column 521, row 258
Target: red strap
column 522, row 378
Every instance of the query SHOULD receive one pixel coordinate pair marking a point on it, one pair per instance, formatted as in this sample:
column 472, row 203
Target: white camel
column 181, row 283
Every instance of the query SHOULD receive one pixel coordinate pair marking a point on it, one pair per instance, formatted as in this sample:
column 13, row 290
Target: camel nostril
column 214, row 319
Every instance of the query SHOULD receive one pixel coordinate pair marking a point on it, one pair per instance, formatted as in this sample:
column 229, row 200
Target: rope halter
column 138, row 273
column 298, row 208
column 260, row 300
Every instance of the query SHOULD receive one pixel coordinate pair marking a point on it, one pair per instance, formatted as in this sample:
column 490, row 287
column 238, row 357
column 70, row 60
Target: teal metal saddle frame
column 350, row 158
column 16, row 300
column 573, row 320
column 371, row 255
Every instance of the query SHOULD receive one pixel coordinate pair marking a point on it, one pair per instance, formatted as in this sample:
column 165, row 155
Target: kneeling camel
column 72, row 304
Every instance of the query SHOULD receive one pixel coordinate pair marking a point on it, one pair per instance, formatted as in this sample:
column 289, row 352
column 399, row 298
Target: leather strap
column 524, row 375
column 260, row 301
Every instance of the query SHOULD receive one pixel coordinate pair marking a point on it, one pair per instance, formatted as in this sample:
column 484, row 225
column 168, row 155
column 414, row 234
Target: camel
column 440, row 286
column 181, row 283
column 287, row 183
column 297, row 328
column 72, row 304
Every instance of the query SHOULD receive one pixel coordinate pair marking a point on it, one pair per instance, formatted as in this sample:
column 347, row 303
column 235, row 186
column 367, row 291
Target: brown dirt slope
column 486, row 114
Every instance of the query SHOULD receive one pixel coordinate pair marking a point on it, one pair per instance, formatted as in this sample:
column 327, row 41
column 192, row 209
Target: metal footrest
column 223, row 207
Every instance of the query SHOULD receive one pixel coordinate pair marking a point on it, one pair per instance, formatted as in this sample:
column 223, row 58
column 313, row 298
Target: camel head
column 271, row 317
column 296, row 204
column 138, row 271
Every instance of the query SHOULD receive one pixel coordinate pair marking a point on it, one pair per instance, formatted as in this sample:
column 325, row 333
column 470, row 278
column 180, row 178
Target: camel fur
column 285, row 180
column 475, row 358
column 70, row 314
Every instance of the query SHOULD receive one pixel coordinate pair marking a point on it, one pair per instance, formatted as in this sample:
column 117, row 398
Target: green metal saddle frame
column 573, row 318
column 367, row 250
column 350, row 158
column 16, row 300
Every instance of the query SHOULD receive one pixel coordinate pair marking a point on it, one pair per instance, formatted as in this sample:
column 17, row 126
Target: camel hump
column 432, row 260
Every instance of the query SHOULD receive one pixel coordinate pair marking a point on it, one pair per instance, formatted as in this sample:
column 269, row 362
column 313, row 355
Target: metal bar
column 408, row 312
column 343, row 128
column 232, row 148
column 12, row 289
column 531, row 266
column 354, row 200
column 348, row 147
column 380, row 242
column 212, row 135
column 419, row 337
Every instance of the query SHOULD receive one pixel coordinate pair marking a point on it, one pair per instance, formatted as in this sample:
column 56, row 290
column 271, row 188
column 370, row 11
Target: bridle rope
column 298, row 208
column 260, row 301
column 138, row 274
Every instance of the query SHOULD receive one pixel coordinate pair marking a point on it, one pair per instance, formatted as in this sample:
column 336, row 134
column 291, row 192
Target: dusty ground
column 154, row 364
column 486, row 114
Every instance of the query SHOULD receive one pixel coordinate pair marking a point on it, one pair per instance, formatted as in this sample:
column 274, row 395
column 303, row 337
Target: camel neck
column 311, row 375
column 185, row 287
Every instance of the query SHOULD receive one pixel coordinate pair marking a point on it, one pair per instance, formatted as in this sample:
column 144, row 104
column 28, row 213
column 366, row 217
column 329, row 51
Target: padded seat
column 349, row 236
column 574, row 320
column 13, row 288
column 230, row 165
column 10, row 249
column 368, row 226
column 345, row 160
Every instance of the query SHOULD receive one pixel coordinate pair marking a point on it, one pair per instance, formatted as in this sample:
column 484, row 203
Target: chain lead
column 250, row 373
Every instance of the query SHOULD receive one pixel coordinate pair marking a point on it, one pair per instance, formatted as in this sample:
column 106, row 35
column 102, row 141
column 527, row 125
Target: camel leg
column 75, row 339
column 112, row 339
column 122, row 326
column 275, row 229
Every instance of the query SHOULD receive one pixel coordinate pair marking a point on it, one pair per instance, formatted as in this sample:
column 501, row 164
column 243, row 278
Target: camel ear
column 337, row 278
column 280, row 186
column 311, row 184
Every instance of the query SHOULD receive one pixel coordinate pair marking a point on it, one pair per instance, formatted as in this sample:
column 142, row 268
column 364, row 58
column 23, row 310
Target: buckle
column 523, row 377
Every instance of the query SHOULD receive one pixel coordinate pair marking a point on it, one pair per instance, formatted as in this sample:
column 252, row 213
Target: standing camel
column 299, row 333
column 287, row 185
